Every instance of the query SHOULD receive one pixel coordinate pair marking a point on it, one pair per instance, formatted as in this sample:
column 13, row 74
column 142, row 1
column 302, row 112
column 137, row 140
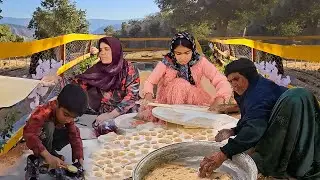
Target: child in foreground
column 51, row 127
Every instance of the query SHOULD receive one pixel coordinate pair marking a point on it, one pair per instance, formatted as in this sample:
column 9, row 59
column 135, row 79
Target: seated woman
column 178, row 78
column 112, row 84
column 282, row 126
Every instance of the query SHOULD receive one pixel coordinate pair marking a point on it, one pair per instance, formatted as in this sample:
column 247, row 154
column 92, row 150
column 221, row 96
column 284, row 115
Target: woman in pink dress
column 178, row 78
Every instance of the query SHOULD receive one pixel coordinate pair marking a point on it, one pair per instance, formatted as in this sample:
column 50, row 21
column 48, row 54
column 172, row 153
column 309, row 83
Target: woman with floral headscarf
column 178, row 78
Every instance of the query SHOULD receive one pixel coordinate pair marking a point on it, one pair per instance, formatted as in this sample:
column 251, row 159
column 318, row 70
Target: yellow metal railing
column 302, row 52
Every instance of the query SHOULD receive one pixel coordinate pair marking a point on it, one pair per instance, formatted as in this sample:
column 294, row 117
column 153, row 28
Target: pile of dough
column 178, row 172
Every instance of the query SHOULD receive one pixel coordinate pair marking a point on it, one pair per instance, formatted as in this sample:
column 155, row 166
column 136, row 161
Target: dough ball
column 161, row 141
column 153, row 133
column 177, row 140
column 116, row 142
column 187, row 137
column 109, row 170
column 148, row 138
column 98, row 174
column 154, row 142
column 106, row 154
column 108, row 161
column 146, row 146
column 117, row 160
column 155, row 146
column 120, row 137
column 135, row 134
column 175, row 135
column 95, row 168
column 126, row 142
column 168, row 137
column 144, row 151
column 134, row 160
column 115, row 152
column 178, row 131
column 106, row 147
column 125, row 161
column 203, row 133
column 160, row 136
column 129, row 168
column 136, row 138
column 199, row 138
column 132, row 154
column 101, row 162
column 211, row 138
column 117, row 176
column 127, row 173
column 127, row 149
column 121, row 153
column 95, row 157
column 151, row 129
column 209, row 131
column 147, row 133
column 141, row 133
column 117, row 169
column 108, row 176
column 165, row 141
column 135, row 147
column 169, row 132
column 159, row 130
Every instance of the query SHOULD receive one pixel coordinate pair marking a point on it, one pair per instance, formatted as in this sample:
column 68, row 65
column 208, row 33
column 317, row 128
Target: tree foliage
column 0, row 9
column 109, row 30
column 58, row 17
column 7, row 36
column 228, row 17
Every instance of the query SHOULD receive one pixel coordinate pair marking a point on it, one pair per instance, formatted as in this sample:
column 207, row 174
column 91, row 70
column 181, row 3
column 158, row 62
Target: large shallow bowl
column 242, row 167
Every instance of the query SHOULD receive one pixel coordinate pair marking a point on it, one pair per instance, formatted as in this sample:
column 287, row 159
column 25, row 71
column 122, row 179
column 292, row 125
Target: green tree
column 58, row 17
column 124, row 27
column 0, row 9
column 135, row 28
column 109, row 30
column 7, row 36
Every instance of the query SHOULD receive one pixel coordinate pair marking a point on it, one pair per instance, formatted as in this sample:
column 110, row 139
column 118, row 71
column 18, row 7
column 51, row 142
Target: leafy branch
column 5, row 131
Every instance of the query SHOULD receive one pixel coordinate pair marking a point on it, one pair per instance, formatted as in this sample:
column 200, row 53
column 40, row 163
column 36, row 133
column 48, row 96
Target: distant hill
column 15, row 21
column 95, row 25
column 101, row 29
column 22, row 31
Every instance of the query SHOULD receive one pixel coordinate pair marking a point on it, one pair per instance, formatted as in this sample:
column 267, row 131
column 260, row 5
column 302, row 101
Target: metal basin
column 242, row 167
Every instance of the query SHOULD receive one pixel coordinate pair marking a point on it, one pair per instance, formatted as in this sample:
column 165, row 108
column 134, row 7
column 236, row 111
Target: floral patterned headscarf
column 170, row 60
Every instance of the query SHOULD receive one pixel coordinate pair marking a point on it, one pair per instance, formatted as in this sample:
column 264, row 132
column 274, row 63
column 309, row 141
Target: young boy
column 51, row 127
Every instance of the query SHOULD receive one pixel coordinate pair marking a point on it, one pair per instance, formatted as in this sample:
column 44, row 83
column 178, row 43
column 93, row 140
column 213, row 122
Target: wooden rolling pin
column 200, row 108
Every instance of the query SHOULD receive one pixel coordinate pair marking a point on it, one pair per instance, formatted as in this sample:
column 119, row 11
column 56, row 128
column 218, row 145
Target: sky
column 96, row 9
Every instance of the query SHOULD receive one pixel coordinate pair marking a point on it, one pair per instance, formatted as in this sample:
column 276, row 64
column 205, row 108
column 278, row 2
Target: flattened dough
column 20, row 86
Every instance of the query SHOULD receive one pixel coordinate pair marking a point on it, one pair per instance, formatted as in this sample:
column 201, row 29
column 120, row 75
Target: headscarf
column 243, row 66
column 170, row 60
column 107, row 76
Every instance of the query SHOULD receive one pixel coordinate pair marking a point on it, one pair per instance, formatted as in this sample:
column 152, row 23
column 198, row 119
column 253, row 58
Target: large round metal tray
column 242, row 167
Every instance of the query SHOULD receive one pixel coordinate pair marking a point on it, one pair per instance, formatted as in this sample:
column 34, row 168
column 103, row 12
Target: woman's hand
column 224, row 134
column 105, row 117
column 216, row 104
column 147, row 99
column 209, row 164
column 50, row 80
column 94, row 50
